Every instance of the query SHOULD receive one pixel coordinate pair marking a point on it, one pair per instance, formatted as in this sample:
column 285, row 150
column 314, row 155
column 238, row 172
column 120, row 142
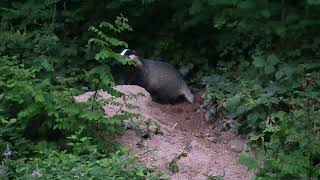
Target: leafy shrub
column 44, row 132
column 276, row 104
column 36, row 119
column 85, row 162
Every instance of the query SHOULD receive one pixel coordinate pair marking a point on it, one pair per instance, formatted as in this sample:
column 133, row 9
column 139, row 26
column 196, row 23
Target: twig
column 125, row 102
column 184, row 153
column 202, row 119
column 95, row 95
column 174, row 126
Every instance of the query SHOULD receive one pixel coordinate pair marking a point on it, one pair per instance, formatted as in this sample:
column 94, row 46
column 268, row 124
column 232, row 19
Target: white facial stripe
column 123, row 52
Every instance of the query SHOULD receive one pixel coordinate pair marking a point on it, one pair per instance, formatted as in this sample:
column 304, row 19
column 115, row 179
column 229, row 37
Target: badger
column 160, row 79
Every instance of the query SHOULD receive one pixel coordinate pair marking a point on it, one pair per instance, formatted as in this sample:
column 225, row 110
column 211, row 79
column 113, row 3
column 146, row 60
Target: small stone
column 215, row 141
column 140, row 144
column 211, row 139
column 235, row 149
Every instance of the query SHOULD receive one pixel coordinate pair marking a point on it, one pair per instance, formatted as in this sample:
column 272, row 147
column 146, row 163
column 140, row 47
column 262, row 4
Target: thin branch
column 125, row 102
column 54, row 14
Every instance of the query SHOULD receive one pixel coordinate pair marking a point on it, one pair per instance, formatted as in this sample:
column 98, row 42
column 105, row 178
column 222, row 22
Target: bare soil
column 187, row 144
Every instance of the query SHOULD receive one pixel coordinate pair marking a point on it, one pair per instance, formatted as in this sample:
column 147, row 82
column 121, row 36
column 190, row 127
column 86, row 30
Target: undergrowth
column 276, row 105
column 258, row 59
column 44, row 132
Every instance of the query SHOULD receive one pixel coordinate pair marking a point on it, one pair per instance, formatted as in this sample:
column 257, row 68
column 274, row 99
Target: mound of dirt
column 189, row 147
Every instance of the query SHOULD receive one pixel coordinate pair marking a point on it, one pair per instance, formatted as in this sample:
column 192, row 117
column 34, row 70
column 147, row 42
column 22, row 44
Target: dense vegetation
column 258, row 59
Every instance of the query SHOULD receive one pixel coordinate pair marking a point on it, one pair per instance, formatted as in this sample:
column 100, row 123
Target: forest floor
column 187, row 147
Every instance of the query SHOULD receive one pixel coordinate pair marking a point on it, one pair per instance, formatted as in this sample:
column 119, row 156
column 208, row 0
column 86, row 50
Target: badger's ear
column 135, row 53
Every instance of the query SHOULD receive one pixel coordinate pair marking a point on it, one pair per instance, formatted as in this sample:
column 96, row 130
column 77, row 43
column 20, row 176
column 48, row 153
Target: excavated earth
column 187, row 147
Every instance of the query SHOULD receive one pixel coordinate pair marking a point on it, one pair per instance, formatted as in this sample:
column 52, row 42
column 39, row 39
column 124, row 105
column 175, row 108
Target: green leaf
column 196, row 7
column 266, row 13
column 313, row 2
column 140, row 173
column 285, row 71
column 269, row 69
column 39, row 98
column 272, row 60
column 271, row 128
column 258, row 61
column 219, row 22
column 184, row 70
column 280, row 30
column 233, row 102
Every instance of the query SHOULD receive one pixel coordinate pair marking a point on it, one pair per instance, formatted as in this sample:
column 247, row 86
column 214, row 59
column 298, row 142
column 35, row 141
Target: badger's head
column 132, row 54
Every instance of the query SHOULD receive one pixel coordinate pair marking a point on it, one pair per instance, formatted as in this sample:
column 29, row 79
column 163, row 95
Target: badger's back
column 163, row 79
